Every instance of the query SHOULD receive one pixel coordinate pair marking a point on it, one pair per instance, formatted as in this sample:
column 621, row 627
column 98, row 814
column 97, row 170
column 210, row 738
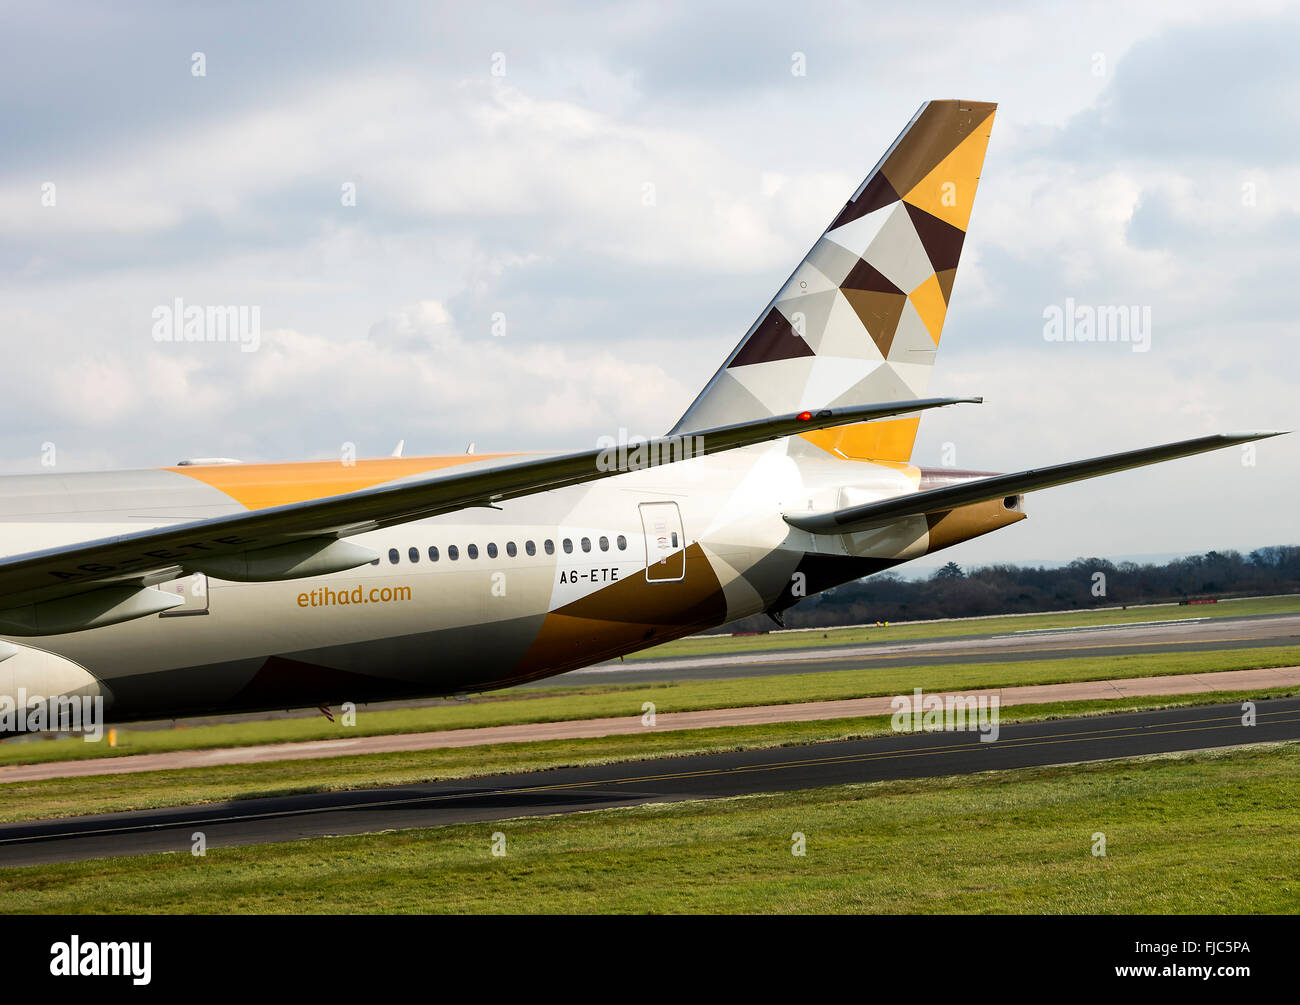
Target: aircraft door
column 665, row 542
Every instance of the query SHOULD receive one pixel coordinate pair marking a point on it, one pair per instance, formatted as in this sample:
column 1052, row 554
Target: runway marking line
column 1024, row 632
column 1041, row 649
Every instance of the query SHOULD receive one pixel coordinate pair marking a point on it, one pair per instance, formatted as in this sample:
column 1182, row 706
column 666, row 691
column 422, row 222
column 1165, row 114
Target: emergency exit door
column 665, row 542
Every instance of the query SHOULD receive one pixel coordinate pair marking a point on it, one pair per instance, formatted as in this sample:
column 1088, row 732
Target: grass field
column 599, row 701
column 1212, row 832
column 189, row 786
column 720, row 645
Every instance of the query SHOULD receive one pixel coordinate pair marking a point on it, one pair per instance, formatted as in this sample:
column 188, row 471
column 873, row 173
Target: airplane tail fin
column 859, row 320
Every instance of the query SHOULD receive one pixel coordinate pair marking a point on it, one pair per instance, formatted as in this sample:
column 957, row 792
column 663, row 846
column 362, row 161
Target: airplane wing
column 873, row 514
column 303, row 538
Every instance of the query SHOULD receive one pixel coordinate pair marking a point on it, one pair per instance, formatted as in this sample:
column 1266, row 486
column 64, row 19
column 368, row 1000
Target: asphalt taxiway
column 1099, row 641
column 568, row 790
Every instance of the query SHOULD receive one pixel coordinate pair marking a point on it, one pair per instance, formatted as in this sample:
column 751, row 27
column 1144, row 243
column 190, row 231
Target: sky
column 529, row 227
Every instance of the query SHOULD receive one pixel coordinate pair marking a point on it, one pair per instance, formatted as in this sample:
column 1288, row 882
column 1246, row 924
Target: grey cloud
column 1223, row 91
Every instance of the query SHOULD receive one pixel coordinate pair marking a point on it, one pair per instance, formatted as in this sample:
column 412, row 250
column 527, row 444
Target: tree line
column 951, row 592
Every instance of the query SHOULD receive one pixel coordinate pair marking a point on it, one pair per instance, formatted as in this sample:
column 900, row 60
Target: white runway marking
column 1102, row 628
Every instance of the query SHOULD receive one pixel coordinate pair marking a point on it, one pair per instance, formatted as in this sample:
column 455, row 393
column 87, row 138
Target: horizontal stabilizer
column 855, row 518
column 743, row 434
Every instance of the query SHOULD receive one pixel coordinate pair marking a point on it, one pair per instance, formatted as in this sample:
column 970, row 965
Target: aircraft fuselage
column 481, row 599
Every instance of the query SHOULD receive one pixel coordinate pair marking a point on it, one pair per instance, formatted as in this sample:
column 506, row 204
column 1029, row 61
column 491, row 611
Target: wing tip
column 1243, row 436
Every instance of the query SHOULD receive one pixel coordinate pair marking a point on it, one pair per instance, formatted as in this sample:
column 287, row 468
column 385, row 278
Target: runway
column 1171, row 636
column 570, row 790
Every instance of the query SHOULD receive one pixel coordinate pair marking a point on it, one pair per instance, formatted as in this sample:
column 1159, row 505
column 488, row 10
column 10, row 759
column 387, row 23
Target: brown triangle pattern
column 875, row 193
column 941, row 240
column 940, row 127
column 945, row 283
column 775, row 338
column 879, row 313
column 865, row 276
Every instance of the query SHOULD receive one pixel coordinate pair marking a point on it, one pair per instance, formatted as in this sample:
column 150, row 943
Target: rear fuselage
column 481, row 599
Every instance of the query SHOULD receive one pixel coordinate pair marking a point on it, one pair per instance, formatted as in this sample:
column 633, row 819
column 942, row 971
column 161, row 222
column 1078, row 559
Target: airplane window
column 453, row 552
column 471, row 550
column 674, row 539
column 586, row 544
column 393, row 556
column 413, row 554
column 530, row 547
column 568, row 546
column 622, row 543
column 511, row 550
column 550, row 546
column 375, row 562
column 604, row 544
column 492, row 549
column 433, row 553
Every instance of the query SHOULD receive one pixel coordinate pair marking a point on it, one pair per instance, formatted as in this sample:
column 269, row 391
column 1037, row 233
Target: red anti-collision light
column 804, row 416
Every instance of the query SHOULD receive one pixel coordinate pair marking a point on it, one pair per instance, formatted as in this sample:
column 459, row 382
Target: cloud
column 628, row 197
column 414, row 374
column 1217, row 93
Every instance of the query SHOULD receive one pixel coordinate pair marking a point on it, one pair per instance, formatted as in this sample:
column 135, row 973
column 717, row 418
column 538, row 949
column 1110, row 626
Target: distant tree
column 1013, row 589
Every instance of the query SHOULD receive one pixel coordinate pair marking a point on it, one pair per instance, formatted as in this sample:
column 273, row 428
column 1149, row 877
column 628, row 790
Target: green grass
column 721, row 645
column 518, row 707
column 190, row 786
column 1212, row 832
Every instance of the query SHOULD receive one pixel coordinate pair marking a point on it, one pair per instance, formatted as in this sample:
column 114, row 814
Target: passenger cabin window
column 413, row 554
column 393, row 556
column 433, row 553
column 550, row 546
column 492, row 549
column 453, row 552
column 471, row 550
column 568, row 546
column 604, row 544
column 622, row 543
column 511, row 550
column 530, row 547
column 586, row 544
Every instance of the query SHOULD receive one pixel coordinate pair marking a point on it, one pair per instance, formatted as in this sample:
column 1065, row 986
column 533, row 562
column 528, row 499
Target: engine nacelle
column 39, row 690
